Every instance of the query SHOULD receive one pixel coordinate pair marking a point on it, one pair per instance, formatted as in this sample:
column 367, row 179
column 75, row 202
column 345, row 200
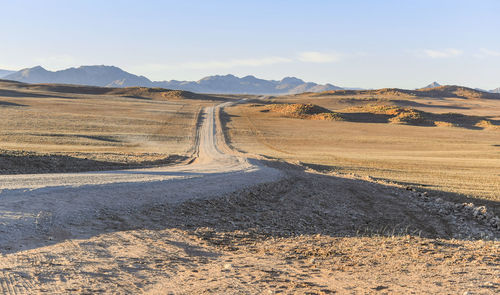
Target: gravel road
column 225, row 224
column 38, row 208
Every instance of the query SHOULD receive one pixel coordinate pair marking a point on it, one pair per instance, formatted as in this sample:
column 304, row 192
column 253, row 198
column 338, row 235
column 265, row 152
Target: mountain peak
column 249, row 77
column 28, row 72
column 291, row 80
column 432, row 85
column 98, row 67
column 34, row 69
column 218, row 77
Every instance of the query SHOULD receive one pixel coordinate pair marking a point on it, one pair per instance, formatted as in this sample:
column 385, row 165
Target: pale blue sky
column 368, row 44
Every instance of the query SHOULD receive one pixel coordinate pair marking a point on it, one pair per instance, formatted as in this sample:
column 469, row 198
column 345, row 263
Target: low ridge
column 441, row 91
column 154, row 93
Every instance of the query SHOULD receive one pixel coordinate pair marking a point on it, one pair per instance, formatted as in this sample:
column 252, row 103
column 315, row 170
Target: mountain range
column 110, row 76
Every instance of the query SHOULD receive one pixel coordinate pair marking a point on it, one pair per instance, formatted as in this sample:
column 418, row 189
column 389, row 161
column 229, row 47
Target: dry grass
column 175, row 261
column 122, row 127
column 459, row 160
column 300, row 235
column 283, row 237
column 296, row 236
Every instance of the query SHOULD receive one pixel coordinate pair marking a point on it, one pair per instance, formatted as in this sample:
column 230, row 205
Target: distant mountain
column 354, row 88
column 497, row 90
column 85, row 75
column 432, row 85
column 110, row 76
column 4, row 73
column 247, row 84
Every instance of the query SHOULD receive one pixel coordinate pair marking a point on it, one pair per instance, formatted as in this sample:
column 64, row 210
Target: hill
column 497, row 90
column 110, row 76
column 19, row 89
column 441, row 91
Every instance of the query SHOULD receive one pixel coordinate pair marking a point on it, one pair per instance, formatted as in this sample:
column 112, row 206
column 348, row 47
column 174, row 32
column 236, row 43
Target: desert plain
column 171, row 192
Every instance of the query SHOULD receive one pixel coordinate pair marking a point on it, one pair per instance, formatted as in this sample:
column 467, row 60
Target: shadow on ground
column 10, row 104
column 303, row 203
column 410, row 103
column 14, row 93
column 426, row 119
column 450, row 196
column 391, row 114
column 19, row 162
column 310, row 204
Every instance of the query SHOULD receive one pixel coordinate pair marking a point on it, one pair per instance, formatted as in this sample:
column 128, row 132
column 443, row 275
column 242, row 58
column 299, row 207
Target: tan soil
column 226, row 224
column 302, row 235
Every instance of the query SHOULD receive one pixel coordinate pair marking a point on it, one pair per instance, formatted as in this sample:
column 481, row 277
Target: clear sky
column 370, row 44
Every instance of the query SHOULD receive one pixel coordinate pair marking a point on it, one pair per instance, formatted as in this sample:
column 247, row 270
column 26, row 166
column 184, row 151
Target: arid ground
column 452, row 144
column 49, row 127
column 340, row 192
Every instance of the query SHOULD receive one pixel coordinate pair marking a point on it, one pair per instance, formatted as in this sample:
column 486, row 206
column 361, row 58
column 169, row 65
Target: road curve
column 36, row 204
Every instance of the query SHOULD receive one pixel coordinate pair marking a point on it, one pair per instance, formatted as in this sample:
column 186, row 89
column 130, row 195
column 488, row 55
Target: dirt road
column 39, row 207
column 225, row 224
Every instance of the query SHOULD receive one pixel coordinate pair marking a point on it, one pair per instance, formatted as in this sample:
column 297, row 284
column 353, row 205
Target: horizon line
column 244, row 76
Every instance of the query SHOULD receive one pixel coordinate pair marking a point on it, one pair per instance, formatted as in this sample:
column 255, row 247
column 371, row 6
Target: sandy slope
column 36, row 207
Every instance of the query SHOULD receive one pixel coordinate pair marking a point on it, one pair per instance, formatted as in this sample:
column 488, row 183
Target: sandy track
column 39, row 207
